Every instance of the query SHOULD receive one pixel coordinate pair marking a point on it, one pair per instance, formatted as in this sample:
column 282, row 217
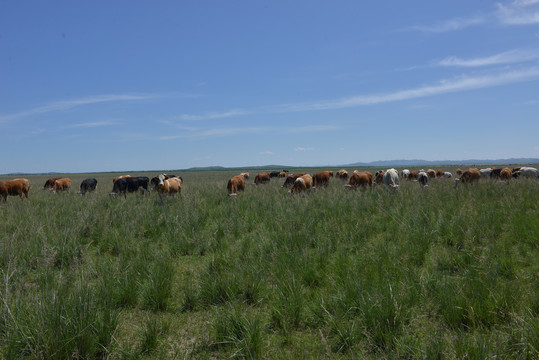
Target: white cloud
column 266, row 153
column 93, row 124
column 69, row 104
column 214, row 115
column 451, row 25
column 519, row 12
column 303, row 149
column 508, row 57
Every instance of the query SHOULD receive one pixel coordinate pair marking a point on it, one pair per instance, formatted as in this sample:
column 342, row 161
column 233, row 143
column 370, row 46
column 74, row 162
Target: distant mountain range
column 379, row 163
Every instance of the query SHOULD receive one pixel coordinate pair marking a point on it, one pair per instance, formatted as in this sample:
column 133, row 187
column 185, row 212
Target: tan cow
column 291, row 178
column 321, row 178
column 50, row 183
column 262, row 178
column 506, row 174
column 235, row 184
column 302, row 183
column 168, row 185
column 360, row 179
column 472, row 175
column 62, row 184
column 342, row 174
column 15, row 187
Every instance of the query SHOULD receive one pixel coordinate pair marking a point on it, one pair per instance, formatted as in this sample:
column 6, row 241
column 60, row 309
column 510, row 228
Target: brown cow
column 15, row 187
column 262, row 178
column 120, row 177
column 291, row 178
column 379, row 177
column 342, row 174
column 413, row 175
column 321, row 178
column 301, row 184
column 235, row 184
column 245, row 175
column 283, row 174
column 506, row 174
column 469, row 176
column 431, row 173
column 516, row 168
column 459, row 172
column 49, row 183
column 362, row 179
column 167, row 185
column 440, row 173
column 62, row 184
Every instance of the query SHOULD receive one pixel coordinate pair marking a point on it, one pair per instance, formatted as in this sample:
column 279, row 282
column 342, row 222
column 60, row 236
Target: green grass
column 437, row 273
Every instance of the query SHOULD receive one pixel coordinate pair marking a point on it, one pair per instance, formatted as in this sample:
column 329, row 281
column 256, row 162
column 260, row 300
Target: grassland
column 423, row 274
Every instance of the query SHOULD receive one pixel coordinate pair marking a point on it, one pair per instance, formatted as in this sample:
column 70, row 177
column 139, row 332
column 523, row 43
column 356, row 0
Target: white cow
column 423, row 179
column 485, row 172
column 405, row 173
column 529, row 172
column 391, row 179
column 448, row 175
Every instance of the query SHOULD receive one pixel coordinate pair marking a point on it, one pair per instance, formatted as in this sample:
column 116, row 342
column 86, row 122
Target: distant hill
column 419, row 162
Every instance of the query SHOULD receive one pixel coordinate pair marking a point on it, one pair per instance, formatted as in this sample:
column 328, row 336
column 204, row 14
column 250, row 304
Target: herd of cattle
column 166, row 185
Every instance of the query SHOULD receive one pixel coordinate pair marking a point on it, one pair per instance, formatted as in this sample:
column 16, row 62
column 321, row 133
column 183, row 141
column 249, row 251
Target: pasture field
column 433, row 273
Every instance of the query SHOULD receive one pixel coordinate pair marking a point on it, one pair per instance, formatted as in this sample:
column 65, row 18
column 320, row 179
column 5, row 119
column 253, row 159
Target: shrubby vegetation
column 432, row 273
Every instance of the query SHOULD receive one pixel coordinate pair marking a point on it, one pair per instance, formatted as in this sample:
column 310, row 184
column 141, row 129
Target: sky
column 136, row 85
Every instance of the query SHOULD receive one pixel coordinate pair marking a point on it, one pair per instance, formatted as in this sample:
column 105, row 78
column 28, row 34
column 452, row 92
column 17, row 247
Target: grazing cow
column 87, row 185
column 262, row 178
column 274, row 174
column 391, row 179
column 431, row 173
column 423, row 179
column 495, row 173
column 120, row 177
column 413, row 175
column 379, row 177
column 235, row 184
column 164, row 184
column 448, row 175
column 516, row 168
column 485, row 172
column 302, row 183
column 130, row 184
column 405, row 173
column 530, row 172
column 283, row 174
column 342, row 174
column 439, row 173
column 291, row 178
column 15, row 187
column 50, row 183
column 459, row 172
column 472, row 175
column 321, row 178
column 506, row 174
column 245, row 175
column 362, row 179
column 330, row 173
column 62, row 184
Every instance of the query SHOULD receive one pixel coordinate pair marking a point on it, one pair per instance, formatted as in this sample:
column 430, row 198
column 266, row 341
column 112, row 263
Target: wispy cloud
column 266, row 153
column 442, row 87
column 303, row 149
column 450, row 25
column 519, row 12
column 94, row 124
column 508, row 57
column 69, row 104
column 214, row 115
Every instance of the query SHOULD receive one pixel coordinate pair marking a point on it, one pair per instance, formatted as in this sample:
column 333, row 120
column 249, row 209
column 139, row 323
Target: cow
column 391, row 179
column 49, row 183
column 87, row 185
column 235, row 184
column 516, row 168
column 379, row 177
column 459, row 172
column 330, row 173
column 495, row 173
column 120, row 177
column 245, row 175
column 405, row 173
column 506, row 174
column 439, row 173
column 274, row 174
column 342, row 174
column 283, row 174
column 423, row 179
column 447, row 175
column 302, row 183
column 472, row 175
column 15, row 187
column 362, row 179
column 413, row 175
column 262, row 178
column 62, row 184
column 528, row 171
column 291, row 178
column 167, row 185
column 130, row 184
column 431, row 173
column 321, row 178
column 485, row 172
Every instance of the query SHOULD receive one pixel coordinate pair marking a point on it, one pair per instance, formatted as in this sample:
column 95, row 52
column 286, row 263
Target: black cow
column 274, row 174
column 130, row 184
column 495, row 174
column 88, row 185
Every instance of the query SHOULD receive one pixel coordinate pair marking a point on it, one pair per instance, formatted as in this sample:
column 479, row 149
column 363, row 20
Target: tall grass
column 425, row 273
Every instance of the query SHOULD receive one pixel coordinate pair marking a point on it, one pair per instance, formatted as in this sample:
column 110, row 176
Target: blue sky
column 133, row 85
